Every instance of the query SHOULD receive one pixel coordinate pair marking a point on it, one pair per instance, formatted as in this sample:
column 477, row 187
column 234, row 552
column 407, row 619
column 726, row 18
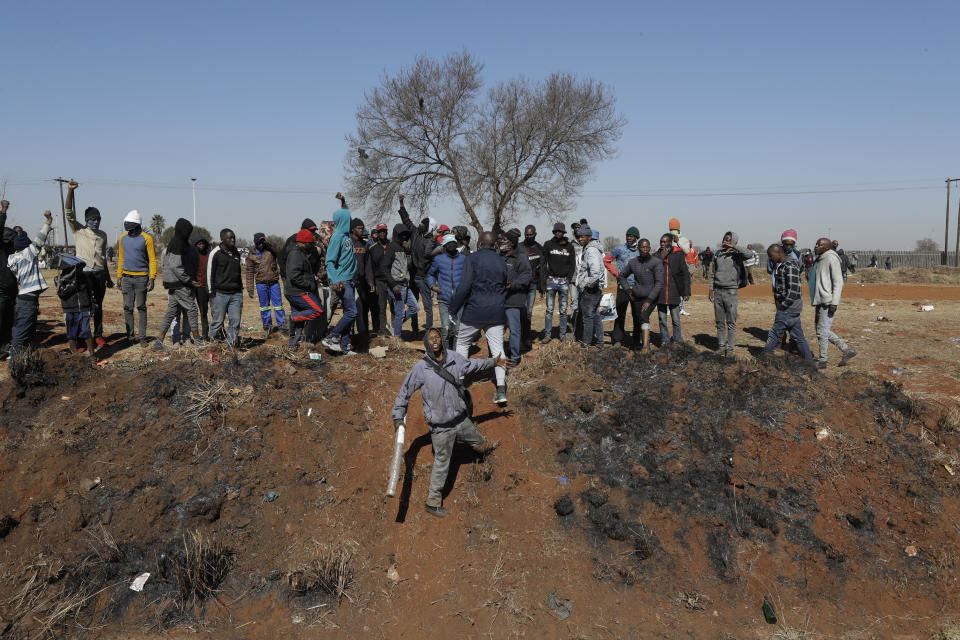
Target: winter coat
column 421, row 247
column 537, row 260
column 676, row 277
column 378, row 256
column 729, row 271
column 826, row 279
column 482, row 289
column 446, row 272
column 180, row 259
column 519, row 276
column 224, row 273
column 262, row 268
column 341, row 262
column 590, row 273
column 443, row 405
column 175, row 273
column 73, row 287
column 364, row 275
column 301, row 277
column 648, row 278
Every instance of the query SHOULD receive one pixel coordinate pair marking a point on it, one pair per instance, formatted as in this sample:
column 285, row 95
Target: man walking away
column 180, row 262
column 589, row 283
column 676, row 287
column 404, row 304
column 648, row 279
column 447, row 407
column 443, row 279
column 519, row 276
column 91, row 246
column 729, row 275
column 341, row 268
column 225, row 281
column 482, row 295
column 301, row 287
column 705, row 258
column 25, row 267
column 136, row 273
column 263, row 277
column 8, row 283
column 381, row 273
column 200, row 288
column 826, row 285
column 616, row 261
column 788, row 298
column 557, row 274
column 536, row 257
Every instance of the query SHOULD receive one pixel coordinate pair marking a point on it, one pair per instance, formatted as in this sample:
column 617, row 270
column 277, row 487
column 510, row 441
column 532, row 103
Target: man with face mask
column 519, row 276
column 447, row 407
column 263, row 278
column 225, row 282
column 535, row 254
column 556, row 277
column 91, row 246
column 443, row 279
column 180, row 280
column 648, row 280
column 615, row 262
column 136, row 272
column 381, row 273
column 422, row 244
column 200, row 288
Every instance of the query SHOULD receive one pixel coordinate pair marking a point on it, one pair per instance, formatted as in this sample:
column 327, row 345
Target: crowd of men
column 420, row 265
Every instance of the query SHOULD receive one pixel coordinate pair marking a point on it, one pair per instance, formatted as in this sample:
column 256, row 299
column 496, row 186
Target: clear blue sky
column 720, row 97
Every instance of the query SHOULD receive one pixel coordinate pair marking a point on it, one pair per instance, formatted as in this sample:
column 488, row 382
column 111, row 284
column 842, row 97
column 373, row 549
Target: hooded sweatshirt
column 590, row 273
column 519, row 276
column 396, row 259
column 8, row 281
column 180, row 260
column 728, row 269
column 826, row 279
column 442, row 404
column 559, row 260
column 341, row 262
column 621, row 255
column 421, row 245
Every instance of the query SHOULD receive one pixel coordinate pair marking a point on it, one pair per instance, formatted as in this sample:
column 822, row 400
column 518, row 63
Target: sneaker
column 500, row 397
column 158, row 346
column 546, row 340
column 439, row 512
column 847, row 355
column 100, row 342
column 821, row 364
column 684, row 313
column 333, row 345
column 349, row 352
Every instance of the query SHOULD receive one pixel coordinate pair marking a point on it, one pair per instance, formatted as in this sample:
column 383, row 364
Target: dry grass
column 215, row 398
column 27, row 368
column 909, row 275
column 950, row 420
column 332, row 572
column 198, row 572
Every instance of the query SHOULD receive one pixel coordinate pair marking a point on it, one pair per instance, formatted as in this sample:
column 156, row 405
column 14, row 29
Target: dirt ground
column 662, row 496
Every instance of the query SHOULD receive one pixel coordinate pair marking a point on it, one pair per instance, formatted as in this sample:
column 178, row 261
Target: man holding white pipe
column 447, row 407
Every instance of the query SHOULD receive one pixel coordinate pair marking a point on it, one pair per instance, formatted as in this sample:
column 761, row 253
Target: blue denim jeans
column 449, row 325
column 24, row 322
column 425, row 293
column 225, row 306
column 515, row 323
column 553, row 291
column 592, row 324
column 348, row 299
column 404, row 299
column 528, row 312
column 782, row 323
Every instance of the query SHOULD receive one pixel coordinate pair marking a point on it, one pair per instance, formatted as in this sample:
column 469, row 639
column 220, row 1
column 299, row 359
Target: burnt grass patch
column 715, row 445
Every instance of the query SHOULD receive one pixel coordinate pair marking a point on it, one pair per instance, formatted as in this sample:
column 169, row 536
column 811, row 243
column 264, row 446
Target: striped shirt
column 25, row 267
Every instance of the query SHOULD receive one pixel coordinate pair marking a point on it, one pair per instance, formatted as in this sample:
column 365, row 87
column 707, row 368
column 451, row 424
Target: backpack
column 68, row 282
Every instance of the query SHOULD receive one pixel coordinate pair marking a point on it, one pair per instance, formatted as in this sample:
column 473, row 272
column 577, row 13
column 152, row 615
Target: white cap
column 133, row 216
column 449, row 238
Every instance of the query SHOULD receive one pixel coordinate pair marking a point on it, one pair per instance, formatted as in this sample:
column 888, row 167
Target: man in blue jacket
column 341, row 268
column 443, row 278
column 482, row 295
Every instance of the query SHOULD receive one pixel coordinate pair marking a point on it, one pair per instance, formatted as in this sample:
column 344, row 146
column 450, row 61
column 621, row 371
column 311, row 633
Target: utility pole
column 946, row 226
column 956, row 248
column 63, row 211
column 193, row 188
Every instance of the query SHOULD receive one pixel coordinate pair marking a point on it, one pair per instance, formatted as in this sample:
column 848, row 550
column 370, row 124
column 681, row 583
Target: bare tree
column 526, row 147
column 927, row 244
column 610, row 242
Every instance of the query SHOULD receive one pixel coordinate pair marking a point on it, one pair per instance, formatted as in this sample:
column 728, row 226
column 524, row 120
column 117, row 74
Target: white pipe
column 397, row 458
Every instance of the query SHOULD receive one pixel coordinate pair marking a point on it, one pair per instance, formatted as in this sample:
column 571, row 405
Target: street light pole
column 193, row 189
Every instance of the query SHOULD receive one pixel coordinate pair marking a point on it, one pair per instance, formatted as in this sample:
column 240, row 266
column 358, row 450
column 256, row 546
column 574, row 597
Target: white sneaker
column 684, row 313
column 333, row 345
column 350, row 352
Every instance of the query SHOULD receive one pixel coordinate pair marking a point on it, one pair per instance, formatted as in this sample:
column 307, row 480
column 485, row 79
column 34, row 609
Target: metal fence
column 921, row 259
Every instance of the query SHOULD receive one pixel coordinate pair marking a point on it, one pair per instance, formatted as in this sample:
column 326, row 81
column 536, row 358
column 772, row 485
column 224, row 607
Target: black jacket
column 559, row 260
column 226, row 275
column 482, row 289
column 676, row 276
column 535, row 255
column 381, row 267
column 421, row 247
column 394, row 249
column 519, row 276
column 300, row 272
column 8, row 281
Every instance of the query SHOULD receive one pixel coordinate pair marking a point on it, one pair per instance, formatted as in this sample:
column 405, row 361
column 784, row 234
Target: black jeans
column 98, row 289
column 8, row 305
column 203, row 304
column 619, row 331
column 383, row 301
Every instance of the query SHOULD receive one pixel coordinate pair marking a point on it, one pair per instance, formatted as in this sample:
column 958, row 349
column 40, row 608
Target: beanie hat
column 304, row 235
column 308, row 224
column 674, row 224
column 133, row 216
column 449, row 238
column 559, row 226
column 513, row 235
column 443, row 229
column 356, row 222
column 257, row 237
column 584, row 230
column 91, row 212
column 789, row 234
column 633, row 231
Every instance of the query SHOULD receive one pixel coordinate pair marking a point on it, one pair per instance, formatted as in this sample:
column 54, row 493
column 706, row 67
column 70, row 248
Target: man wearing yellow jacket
column 136, row 272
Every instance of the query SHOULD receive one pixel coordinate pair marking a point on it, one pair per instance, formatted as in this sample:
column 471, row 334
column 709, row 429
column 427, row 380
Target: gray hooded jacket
column 442, row 404
column 591, row 269
column 727, row 264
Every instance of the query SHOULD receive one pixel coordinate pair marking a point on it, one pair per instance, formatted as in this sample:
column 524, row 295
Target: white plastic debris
column 873, row 304
column 392, row 574
column 315, row 356
column 926, row 307
column 309, row 411
column 139, row 581
column 823, row 434
column 911, row 551
column 897, row 372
